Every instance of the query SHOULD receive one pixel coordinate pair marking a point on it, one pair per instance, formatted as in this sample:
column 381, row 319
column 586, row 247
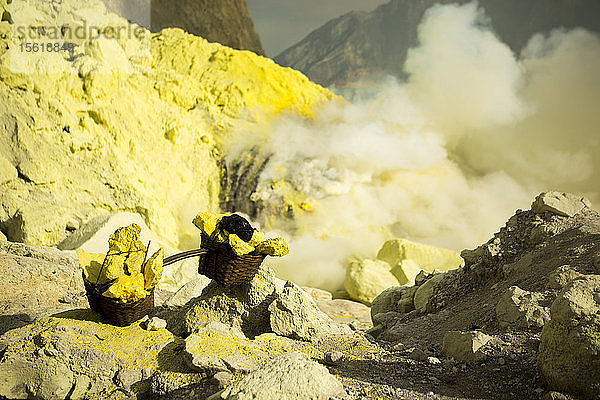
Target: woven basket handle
column 182, row 256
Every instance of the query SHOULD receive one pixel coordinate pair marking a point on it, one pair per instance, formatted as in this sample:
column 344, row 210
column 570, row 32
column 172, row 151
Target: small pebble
column 501, row 361
column 433, row 360
column 398, row 347
column 418, row 355
column 334, row 357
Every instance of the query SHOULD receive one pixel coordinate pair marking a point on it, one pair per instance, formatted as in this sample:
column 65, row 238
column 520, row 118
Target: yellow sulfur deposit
column 127, row 289
column 146, row 113
column 206, row 222
column 276, row 247
column 91, row 264
column 210, row 224
column 122, row 266
column 238, row 246
column 257, row 237
column 153, row 269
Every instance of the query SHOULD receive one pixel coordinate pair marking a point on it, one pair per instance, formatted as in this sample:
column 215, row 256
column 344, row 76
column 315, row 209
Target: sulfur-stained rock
column 113, row 124
column 243, row 306
column 53, row 356
column 520, row 309
column 569, row 353
column 366, row 279
column 424, row 256
column 37, row 225
column 272, row 381
column 153, row 269
column 36, row 281
column 3, row 238
column 276, row 247
column 563, row 204
column 294, row 314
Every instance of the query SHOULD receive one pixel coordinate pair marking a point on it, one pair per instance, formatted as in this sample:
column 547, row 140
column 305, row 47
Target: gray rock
column 35, row 282
column 563, row 204
column 189, row 291
column 418, row 354
column 294, row 314
column 8, row 172
column 561, row 277
column 386, row 318
column 425, row 291
column 272, row 381
column 465, row 346
column 243, row 306
column 569, row 353
column 520, row 309
column 388, row 300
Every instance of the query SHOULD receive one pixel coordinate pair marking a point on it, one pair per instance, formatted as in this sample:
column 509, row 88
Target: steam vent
column 183, row 217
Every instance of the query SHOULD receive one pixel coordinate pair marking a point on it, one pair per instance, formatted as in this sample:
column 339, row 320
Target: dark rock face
column 367, row 44
column 227, row 21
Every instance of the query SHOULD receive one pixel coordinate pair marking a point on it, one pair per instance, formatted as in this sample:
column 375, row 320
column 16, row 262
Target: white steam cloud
column 444, row 158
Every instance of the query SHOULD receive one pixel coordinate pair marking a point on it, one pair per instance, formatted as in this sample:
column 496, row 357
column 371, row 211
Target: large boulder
column 569, row 353
column 563, row 204
column 426, row 257
column 366, row 279
column 561, row 277
column 37, row 225
column 311, row 381
column 60, row 358
column 294, row 314
column 37, row 282
column 520, row 309
column 245, row 307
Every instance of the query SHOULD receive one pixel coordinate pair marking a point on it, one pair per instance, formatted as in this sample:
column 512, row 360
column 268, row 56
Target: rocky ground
column 518, row 321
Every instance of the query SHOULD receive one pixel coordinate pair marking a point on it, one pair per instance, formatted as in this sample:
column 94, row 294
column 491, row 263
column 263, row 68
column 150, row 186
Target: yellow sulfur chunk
column 91, row 264
column 127, row 289
column 125, row 239
column 207, row 222
column 257, row 237
column 276, row 247
column 153, row 269
column 238, row 246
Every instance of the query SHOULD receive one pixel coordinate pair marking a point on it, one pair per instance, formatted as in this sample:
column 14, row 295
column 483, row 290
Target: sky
column 282, row 24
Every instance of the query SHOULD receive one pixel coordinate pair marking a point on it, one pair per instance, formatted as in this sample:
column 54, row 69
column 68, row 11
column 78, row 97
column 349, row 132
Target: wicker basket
column 120, row 314
column 221, row 264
